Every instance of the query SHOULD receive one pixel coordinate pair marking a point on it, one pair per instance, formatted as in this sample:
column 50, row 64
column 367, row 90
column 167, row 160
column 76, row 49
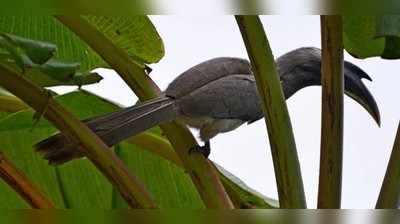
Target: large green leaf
column 18, row 149
column 169, row 184
column 370, row 36
column 135, row 34
column 248, row 196
column 46, row 28
column 3, row 115
column 388, row 26
column 56, row 73
column 359, row 37
column 39, row 52
column 35, row 59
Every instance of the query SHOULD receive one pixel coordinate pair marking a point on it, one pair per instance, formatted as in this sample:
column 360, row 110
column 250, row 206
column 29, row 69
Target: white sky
column 245, row 151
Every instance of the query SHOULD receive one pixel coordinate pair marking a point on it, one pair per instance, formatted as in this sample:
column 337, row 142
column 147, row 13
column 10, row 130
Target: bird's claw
column 204, row 150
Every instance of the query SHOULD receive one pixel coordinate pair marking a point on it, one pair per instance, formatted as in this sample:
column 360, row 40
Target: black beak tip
column 356, row 89
column 372, row 107
column 377, row 118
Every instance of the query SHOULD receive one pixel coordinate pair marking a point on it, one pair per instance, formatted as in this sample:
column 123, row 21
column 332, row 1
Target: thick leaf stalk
column 128, row 185
column 201, row 171
column 332, row 81
column 283, row 147
column 22, row 185
column 389, row 195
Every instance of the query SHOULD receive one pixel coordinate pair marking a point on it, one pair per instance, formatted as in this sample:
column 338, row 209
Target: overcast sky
column 245, row 151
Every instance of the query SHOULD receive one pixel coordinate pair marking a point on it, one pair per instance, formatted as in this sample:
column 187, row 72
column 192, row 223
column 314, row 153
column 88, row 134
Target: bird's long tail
column 111, row 128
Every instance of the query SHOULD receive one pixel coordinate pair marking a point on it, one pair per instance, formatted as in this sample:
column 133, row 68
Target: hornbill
column 214, row 96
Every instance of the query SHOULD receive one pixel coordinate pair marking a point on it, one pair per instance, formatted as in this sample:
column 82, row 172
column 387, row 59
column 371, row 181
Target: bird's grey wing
column 230, row 97
column 206, row 72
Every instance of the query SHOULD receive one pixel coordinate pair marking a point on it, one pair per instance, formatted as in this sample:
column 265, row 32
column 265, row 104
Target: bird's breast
column 197, row 122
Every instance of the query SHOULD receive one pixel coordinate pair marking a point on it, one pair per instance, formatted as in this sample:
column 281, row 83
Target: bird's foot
column 204, row 150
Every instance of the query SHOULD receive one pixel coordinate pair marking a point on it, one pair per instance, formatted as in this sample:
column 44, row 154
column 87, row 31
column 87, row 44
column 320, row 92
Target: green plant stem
column 11, row 104
column 332, row 81
column 201, row 171
column 22, row 185
column 283, row 147
column 130, row 188
column 390, row 191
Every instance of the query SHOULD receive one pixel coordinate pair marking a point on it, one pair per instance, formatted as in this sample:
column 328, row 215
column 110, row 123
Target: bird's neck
column 293, row 82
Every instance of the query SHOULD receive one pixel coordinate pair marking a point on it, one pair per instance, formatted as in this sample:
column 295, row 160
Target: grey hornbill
column 215, row 96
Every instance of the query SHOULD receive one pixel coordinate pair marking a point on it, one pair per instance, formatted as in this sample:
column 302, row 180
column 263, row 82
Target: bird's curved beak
column 356, row 89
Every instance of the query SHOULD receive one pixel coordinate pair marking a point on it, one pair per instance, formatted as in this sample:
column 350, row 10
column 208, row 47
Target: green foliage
column 135, row 34
column 170, row 185
column 388, row 26
column 370, row 36
column 4, row 92
column 34, row 59
column 359, row 37
column 38, row 51
column 248, row 196
column 78, row 184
